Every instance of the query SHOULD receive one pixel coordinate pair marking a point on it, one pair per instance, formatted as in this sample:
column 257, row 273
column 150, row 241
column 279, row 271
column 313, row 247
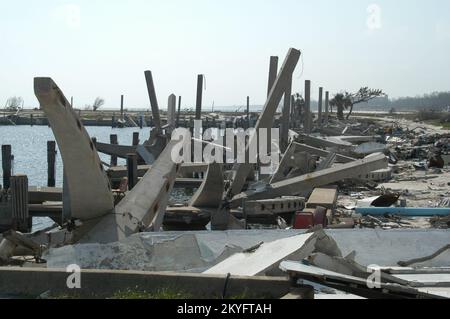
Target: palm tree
column 344, row 101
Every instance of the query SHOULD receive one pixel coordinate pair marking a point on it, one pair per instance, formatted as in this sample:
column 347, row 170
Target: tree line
column 433, row 101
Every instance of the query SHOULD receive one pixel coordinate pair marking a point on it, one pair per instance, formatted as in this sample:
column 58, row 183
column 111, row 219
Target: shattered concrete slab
column 266, row 257
column 168, row 251
column 199, row 251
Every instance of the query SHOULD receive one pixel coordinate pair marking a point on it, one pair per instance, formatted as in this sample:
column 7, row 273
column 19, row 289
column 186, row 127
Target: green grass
column 160, row 294
column 164, row 294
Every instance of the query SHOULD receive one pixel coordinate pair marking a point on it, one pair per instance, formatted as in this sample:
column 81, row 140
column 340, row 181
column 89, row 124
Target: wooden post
column 320, row 107
column 135, row 138
column 327, row 106
column 19, row 197
column 179, row 111
column 307, row 120
column 132, row 170
column 114, row 141
column 121, row 107
column 51, row 161
column 6, row 165
column 248, row 112
column 141, row 121
column 31, row 119
column 113, row 120
column 198, row 109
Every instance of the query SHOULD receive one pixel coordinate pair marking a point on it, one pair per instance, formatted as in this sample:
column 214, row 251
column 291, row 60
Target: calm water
column 29, row 147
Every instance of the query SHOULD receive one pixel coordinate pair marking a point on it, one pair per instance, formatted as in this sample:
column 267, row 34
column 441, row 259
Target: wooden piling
column 19, row 198
column 114, row 141
column 51, row 161
column 6, row 165
column 132, row 161
column 31, row 119
column 308, row 116
column 248, row 112
column 179, row 111
column 320, row 107
column 135, row 138
column 121, row 107
column 198, row 108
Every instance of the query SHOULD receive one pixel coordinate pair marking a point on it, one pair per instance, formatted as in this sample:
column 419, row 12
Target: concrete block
column 324, row 197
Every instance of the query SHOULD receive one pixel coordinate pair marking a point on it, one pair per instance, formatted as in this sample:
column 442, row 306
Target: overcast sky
column 102, row 47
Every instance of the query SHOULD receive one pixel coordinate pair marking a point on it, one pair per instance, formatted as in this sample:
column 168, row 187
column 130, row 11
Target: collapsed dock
column 335, row 187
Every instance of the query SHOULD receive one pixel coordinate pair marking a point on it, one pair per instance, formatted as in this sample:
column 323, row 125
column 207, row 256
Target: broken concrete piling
column 322, row 181
column 90, row 192
column 266, row 119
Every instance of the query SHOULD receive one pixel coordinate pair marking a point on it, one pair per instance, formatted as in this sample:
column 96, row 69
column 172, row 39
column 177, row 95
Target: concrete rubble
column 345, row 195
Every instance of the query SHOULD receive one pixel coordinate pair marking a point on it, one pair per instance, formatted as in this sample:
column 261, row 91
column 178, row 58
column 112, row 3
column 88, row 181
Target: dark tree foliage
column 346, row 101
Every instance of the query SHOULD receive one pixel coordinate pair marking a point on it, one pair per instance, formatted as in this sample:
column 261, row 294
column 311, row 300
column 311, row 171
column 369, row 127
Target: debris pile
column 336, row 175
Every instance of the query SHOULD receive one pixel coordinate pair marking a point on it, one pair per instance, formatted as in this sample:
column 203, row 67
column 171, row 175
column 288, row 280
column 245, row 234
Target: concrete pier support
column 144, row 207
column 171, row 111
column 307, row 121
column 285, row 118
column 6, row 165
column 153, row 101
column 19, row 197
column 198, row 105
column 242, row 171
column 51, row 161
column 88, row 186
column 320, row 117
column 273, row 72
column 304, row 184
